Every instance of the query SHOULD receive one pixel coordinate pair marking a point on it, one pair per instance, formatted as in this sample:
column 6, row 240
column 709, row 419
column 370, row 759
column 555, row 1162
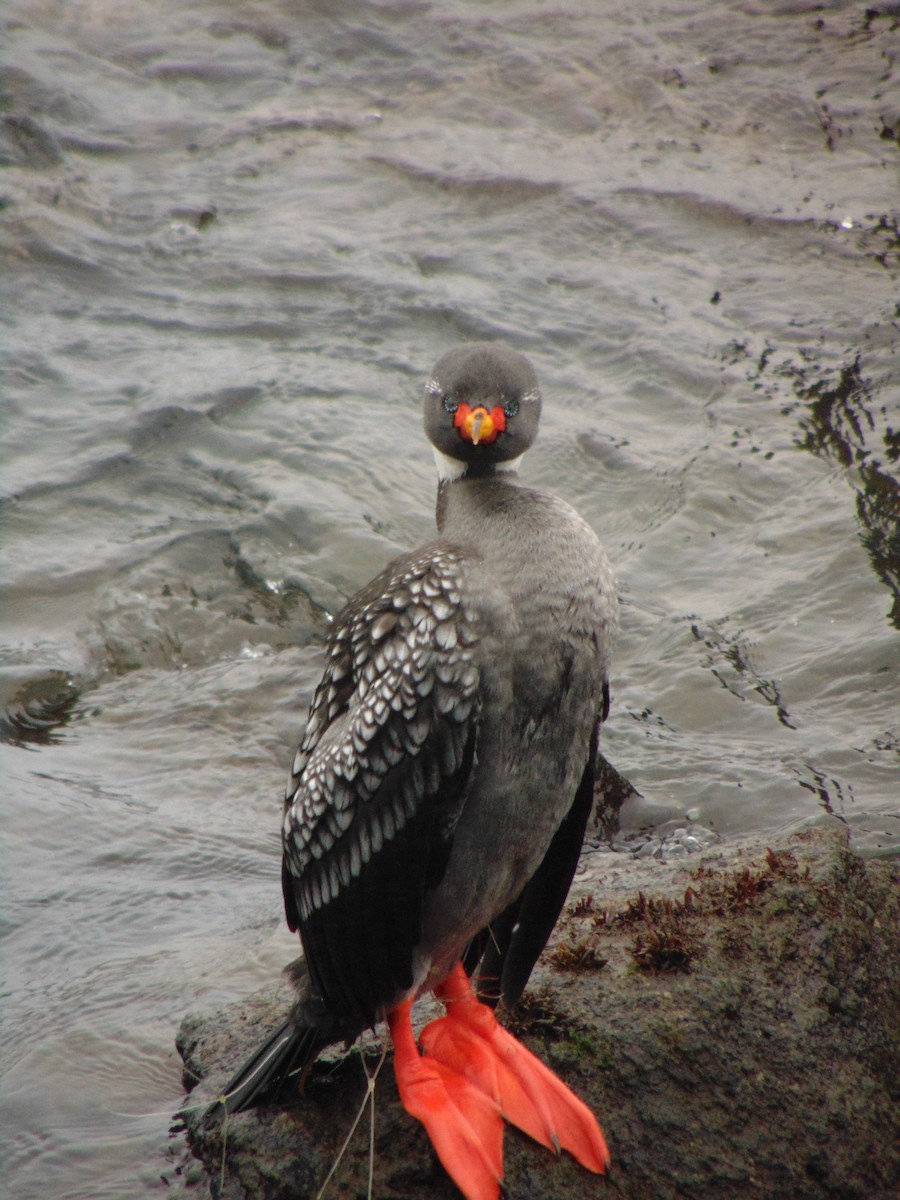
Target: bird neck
column 462, row 499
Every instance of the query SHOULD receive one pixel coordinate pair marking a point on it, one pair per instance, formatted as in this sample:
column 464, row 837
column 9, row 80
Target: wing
column 379, row 781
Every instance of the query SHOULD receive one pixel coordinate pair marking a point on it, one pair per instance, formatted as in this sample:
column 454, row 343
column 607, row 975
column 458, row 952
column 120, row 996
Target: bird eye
column 511, row 407
column 450, row 404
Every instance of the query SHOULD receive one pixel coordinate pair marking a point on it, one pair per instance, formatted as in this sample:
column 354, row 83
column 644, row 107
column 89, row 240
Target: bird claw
column 470, row 1040
column 474, row 1073
column 465, row 1125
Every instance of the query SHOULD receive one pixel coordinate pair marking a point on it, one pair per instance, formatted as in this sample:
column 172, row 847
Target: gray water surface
column 235, row 238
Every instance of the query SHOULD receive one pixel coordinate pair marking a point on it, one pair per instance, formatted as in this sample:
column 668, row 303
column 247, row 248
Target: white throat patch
column 451, row 468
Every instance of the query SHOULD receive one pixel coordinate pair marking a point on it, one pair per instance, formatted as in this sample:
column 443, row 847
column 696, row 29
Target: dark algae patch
column 668, row 932
column 846, row 424
column 847, row 417
column 39, row 711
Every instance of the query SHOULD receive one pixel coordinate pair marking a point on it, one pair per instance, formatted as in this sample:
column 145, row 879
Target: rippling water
column 235, row 238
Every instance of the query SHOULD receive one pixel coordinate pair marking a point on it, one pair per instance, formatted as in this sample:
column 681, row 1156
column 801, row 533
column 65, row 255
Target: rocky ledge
column 732, row 1017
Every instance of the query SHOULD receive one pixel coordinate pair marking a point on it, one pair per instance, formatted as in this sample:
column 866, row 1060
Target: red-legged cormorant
column 438, row 801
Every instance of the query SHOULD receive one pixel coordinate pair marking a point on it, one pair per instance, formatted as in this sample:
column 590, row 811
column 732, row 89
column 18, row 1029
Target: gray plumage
column 439, row 797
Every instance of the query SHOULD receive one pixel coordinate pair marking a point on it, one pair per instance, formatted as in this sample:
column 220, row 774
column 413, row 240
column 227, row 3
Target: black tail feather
column 287, row 1051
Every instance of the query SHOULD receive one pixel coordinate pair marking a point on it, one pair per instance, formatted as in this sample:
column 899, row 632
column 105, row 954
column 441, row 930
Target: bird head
column 482, row 406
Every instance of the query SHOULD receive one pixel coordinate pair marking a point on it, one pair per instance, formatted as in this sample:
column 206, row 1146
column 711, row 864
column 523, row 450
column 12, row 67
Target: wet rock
column 671, row 840
column 732, row 1018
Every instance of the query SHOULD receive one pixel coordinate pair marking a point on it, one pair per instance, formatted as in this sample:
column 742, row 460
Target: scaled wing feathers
column 379, row 780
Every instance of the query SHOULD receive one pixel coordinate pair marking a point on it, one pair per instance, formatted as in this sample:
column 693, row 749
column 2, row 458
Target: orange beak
column 477, row 425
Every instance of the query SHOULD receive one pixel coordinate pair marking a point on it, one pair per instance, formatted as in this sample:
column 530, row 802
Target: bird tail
column 284, row 1053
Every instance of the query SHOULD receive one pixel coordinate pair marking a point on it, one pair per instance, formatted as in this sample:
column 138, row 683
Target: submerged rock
column 732, row 1018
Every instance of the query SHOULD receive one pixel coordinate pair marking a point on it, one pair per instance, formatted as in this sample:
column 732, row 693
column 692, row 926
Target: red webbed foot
column 462, row 1121
column 470, row 1041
